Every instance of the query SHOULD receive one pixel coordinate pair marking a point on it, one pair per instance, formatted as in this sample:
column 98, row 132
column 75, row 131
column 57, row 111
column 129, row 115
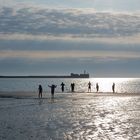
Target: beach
column 69, row 116
column 69, row 70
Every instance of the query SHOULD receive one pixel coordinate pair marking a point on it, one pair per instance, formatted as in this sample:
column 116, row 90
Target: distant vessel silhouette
column 84, row 75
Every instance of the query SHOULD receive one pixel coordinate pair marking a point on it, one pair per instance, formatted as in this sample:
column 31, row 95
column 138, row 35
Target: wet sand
column 69, row 116
column 21, row 94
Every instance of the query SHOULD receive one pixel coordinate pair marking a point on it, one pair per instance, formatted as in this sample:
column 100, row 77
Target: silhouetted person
column 97, row 87
column 40, row 90
column 72, row 87
column 113, row 87
column 62, row 86
column 89, row 87
column 52, row 89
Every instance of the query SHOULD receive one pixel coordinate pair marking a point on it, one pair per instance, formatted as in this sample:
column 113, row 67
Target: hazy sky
column 62, row 36
column 118, row 5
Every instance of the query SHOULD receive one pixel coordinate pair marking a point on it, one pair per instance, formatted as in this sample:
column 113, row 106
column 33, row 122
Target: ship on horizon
column 83, row 75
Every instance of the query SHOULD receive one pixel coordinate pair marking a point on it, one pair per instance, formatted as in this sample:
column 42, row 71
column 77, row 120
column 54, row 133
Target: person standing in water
column 72, row 87
column 113, row 87
column 52, row 89
column 62, row 86
column 89, row 87
column 40, row 90
column 97, row 87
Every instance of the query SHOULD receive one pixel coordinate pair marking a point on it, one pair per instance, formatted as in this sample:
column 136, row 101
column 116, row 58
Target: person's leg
column 52, row 95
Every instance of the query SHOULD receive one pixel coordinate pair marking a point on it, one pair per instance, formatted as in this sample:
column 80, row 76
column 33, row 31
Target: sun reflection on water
column 105, row 84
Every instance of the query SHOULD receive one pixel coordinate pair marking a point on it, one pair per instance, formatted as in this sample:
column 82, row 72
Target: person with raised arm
column 62, row 86
column 52, row 89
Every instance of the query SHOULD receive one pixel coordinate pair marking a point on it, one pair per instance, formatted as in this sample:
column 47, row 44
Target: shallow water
column 123, row 85
column 71, row 117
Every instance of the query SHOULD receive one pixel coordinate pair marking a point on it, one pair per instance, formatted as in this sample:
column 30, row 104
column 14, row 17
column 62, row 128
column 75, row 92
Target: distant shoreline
column 51, row 76
column 35, row 77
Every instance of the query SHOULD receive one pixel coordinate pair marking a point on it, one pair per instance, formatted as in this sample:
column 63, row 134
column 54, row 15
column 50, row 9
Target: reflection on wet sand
column 71, row 116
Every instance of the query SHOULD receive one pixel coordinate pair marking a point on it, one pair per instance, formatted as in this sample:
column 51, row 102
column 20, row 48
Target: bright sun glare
column 105, row 84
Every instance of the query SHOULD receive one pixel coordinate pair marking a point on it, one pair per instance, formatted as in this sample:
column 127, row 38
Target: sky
column 57, row 37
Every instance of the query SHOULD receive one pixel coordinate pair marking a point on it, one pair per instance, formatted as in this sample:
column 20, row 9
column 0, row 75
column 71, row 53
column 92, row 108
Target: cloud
column 108, row 55
column 135, row 39
column 119, row 5
column 29, row 23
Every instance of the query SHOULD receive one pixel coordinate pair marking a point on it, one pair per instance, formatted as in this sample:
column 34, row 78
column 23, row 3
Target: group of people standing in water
column 40, row 89
column 89, row 87
column 97, row 87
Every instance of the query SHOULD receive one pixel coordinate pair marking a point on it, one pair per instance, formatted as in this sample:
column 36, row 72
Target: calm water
column 123, row 85
column 71, row 116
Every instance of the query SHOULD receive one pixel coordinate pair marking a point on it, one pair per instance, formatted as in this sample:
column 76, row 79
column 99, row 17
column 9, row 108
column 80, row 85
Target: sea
column 70, row 116
column 122, row 85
